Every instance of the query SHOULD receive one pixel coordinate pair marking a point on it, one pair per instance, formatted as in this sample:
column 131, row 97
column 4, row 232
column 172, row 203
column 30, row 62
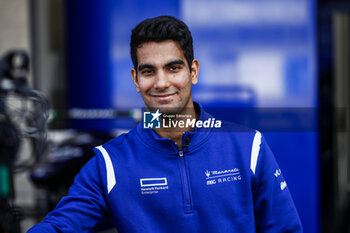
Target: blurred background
column 281, row 67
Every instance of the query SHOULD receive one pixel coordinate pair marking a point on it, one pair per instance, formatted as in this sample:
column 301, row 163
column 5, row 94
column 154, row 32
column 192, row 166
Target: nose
column 161, row 81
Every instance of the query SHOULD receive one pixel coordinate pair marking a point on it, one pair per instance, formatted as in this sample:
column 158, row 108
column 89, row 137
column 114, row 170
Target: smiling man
column 186, row 178
column 164, row 78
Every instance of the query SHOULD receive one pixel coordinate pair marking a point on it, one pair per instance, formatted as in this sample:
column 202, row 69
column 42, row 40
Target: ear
column 194, row 71
column 134, row 79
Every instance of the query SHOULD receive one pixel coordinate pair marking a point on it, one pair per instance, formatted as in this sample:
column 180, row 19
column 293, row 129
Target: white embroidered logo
column 153, row 185
column 283, row 185
column 222, row 176
column 278, row 172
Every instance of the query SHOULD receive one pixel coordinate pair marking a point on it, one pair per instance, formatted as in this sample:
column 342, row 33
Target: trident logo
column 207, row 173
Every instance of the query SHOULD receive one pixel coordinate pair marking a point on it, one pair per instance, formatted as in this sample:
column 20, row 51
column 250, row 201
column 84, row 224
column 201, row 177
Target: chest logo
column 153, row 185
column 222, row 176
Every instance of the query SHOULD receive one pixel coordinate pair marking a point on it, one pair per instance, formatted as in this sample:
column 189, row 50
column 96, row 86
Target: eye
column 174, row 68
column 147, row 72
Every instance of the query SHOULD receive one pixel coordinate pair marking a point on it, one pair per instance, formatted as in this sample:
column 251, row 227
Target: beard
column 167, row 110
column 178, row 107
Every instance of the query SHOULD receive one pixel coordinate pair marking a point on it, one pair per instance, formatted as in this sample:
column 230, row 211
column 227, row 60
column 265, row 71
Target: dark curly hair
column 159, row 29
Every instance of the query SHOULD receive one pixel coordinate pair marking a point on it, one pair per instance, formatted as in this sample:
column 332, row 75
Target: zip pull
column 181, row 153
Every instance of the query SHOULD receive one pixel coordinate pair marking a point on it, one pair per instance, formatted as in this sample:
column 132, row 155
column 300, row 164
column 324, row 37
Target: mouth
column 163, row 96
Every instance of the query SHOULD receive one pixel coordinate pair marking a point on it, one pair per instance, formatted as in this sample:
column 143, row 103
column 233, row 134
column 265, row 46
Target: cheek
column 182, row 81
column 145, row 84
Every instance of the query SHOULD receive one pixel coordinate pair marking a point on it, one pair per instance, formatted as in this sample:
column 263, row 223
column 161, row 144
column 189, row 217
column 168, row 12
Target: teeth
column 162, row 95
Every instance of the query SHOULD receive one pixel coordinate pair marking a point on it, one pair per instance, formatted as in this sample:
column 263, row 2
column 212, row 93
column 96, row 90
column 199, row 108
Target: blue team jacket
column 224, row 181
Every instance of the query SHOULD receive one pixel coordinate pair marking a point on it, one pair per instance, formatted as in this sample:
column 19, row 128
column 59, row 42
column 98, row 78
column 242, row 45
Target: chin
column 170, row 110
column 167, row 108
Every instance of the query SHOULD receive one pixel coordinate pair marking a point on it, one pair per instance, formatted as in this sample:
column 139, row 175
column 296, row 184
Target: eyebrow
column 174, row 62
column 145, row 66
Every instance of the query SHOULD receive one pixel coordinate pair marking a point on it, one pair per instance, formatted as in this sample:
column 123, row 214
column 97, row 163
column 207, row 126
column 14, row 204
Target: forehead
column 159, row 53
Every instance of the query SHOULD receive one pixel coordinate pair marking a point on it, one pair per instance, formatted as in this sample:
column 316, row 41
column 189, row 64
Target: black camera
column 29, row 121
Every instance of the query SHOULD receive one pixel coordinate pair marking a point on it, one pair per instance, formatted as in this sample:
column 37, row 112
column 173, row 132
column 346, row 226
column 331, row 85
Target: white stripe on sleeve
column 109, row 167
column 255, row 151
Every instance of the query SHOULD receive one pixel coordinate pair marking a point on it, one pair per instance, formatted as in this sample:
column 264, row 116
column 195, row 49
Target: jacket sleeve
column 273, row 204
column 84, row 206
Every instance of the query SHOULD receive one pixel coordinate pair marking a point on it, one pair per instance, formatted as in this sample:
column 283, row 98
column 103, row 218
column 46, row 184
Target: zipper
column 185, row 183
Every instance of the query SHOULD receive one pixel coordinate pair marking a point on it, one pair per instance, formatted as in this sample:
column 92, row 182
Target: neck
column 175, row 133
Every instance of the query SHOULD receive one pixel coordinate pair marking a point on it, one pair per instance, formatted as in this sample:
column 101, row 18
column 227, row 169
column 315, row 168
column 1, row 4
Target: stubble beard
column 171, row 110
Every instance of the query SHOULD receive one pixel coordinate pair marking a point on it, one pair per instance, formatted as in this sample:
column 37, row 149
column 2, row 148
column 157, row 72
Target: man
column 180, row 178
